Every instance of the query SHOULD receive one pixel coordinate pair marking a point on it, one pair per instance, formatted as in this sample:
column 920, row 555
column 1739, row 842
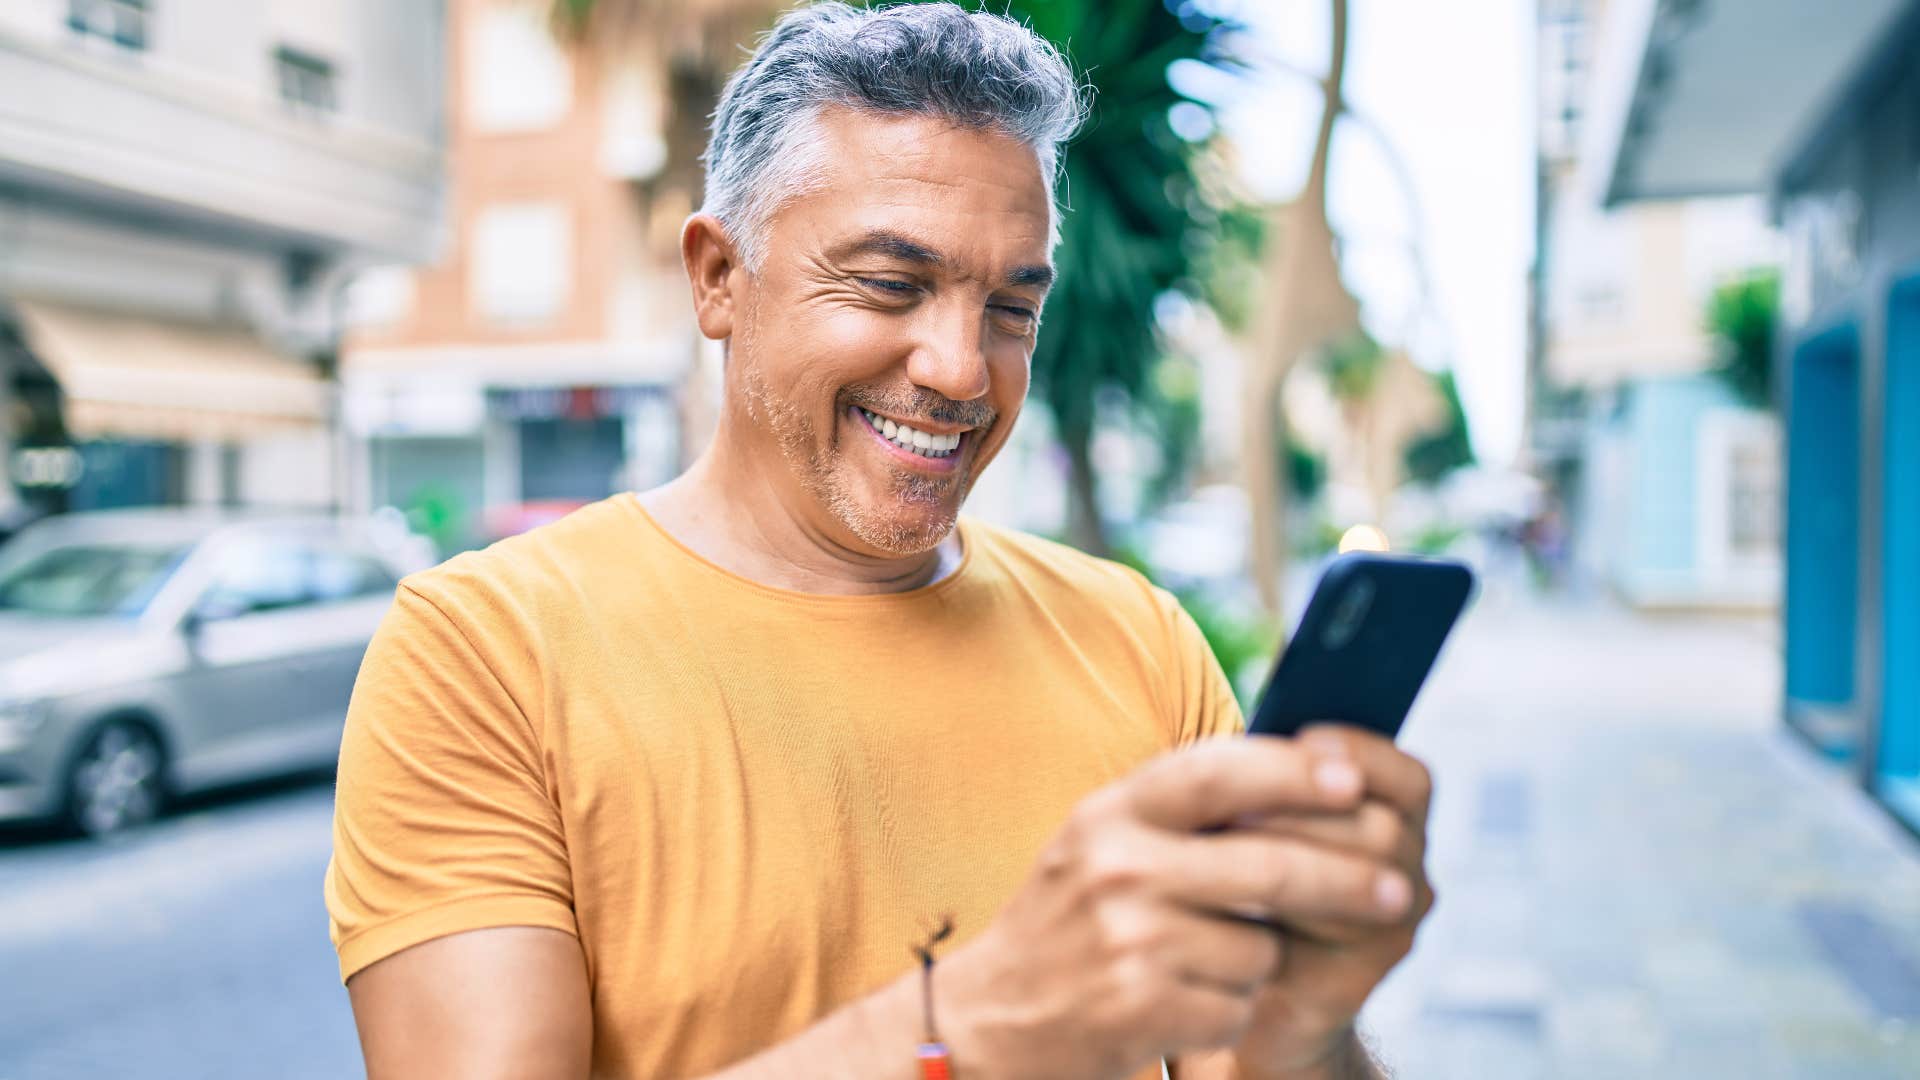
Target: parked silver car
column 146, row 654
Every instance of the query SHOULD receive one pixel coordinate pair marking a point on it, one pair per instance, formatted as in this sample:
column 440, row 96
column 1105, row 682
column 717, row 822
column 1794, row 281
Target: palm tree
column 1310, row 307
column 1389, row 405
column 1134, row 207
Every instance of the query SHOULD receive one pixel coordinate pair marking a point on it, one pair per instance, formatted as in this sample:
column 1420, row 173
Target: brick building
column 541, row 361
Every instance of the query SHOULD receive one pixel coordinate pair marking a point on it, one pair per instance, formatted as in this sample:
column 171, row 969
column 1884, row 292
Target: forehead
column 977, row 195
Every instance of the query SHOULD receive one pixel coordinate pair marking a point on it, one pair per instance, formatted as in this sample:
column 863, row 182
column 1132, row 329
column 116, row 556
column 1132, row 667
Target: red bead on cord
column 934, row 1062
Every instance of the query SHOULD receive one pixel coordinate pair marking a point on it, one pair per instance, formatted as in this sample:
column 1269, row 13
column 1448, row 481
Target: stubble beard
column 825, row 473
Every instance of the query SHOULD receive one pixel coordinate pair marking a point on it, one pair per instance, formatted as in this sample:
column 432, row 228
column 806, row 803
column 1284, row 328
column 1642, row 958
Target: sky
column 1450, row 86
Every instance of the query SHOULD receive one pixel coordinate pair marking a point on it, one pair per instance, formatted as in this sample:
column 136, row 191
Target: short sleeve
column 443, row 820
column 1203, row 696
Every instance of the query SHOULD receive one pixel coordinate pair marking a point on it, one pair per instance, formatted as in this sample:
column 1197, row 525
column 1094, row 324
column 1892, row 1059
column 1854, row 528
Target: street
column 1640, row 876
column 1641, row 873
column 197, row 949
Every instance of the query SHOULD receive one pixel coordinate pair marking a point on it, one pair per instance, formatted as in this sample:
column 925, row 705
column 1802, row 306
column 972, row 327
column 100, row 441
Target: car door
column 249, row 681
column 352, row 590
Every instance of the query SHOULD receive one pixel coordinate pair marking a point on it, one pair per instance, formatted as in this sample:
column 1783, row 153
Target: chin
column 899, row 525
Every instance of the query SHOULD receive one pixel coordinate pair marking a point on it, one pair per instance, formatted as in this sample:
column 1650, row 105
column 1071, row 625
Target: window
column 519, row 270
column 347, row 575
column 122, row 22
column 380, row 296
column 257, row 577
column 1754, row 498
column 272, row 576
column 86, row 580
column 306, row 81
column 517, row 78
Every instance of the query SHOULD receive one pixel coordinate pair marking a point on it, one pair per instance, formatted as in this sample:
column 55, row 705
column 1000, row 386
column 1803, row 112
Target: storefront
column 1821, row 115
column 1849, row 196
column 470, row 462
column 112, row 409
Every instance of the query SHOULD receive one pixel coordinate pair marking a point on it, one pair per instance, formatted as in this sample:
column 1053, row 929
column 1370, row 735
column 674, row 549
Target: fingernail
column 1392, row 893
column 1338, row 778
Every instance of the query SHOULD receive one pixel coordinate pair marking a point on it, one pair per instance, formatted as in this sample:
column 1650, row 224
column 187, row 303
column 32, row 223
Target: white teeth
column 913, row 440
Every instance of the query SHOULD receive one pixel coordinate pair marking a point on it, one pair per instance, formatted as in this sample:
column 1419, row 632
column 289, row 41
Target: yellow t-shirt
column 746, row 803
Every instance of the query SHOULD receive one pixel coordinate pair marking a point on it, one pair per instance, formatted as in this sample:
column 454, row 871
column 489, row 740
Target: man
column 674, row 786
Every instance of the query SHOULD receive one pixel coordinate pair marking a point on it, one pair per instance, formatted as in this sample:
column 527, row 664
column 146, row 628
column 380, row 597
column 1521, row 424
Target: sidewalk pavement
column 1641, row 873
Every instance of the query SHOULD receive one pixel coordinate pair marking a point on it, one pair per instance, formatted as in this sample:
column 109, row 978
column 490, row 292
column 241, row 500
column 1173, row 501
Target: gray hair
column 972, row 68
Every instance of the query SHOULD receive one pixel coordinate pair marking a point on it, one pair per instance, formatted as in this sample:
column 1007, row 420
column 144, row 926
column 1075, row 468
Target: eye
column 1024, row 316
column 887, row 285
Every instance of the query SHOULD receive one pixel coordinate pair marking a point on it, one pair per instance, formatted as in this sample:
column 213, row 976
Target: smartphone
column 1368, row 638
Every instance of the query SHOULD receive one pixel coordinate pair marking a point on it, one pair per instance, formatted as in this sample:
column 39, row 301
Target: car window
column 89, row 579
column 257, row 577
column 347, row 575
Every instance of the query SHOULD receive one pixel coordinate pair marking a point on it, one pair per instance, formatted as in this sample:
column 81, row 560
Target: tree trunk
column 1263, row 437
column 1310, row 303
column 1085, row 530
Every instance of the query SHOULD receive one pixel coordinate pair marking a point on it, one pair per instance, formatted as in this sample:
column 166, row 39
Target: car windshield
column 91, row 579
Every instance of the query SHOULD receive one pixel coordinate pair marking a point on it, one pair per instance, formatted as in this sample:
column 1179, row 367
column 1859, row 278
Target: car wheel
column 117, row 782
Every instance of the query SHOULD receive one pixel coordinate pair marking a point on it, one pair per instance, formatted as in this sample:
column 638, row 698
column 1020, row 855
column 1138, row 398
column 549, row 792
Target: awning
column 1695, row 98
column 140, row 377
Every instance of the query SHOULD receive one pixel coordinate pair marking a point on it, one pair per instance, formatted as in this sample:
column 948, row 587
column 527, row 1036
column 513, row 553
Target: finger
column 1283, row 879
column 1301, row 932
column 1374, row 830
column 1230, row 954
column 1216, row 781
column 1391, row 773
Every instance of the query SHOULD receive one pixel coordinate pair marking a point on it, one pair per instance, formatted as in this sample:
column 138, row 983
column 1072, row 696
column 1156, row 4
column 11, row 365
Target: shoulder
column 1115, row 617
column 522, row 578
column 536, row 560
column 1055, row 572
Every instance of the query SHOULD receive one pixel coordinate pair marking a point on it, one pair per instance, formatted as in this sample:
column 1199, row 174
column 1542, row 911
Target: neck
column 738, row 509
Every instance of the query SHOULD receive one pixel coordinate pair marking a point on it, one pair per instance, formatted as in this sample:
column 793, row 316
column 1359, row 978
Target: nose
column 950, row 356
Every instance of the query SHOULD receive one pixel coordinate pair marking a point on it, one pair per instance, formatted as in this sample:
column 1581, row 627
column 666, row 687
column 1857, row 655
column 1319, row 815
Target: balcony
column 118, row 132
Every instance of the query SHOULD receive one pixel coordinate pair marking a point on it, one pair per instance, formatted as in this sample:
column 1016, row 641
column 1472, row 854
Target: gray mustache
column 929, row 406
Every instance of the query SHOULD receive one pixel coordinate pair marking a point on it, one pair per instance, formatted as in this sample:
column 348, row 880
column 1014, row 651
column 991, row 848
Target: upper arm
column 445, row 817
column 504, row 1002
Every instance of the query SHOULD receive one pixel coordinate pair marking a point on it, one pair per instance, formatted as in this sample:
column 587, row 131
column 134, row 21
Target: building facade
column 1818, row 107
column 185, row 189
column 1669, row 481
column 543, row 360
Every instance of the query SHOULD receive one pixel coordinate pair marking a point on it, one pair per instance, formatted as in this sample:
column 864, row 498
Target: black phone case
column 1370, row 634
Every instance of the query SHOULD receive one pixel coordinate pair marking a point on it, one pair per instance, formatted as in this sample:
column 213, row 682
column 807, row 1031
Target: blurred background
column 1617, row 299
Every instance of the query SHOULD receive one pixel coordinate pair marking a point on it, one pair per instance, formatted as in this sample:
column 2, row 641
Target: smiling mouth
column 926, row 444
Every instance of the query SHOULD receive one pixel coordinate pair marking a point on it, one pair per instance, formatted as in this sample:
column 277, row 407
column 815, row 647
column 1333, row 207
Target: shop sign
column 57, row 467
column 567, row 402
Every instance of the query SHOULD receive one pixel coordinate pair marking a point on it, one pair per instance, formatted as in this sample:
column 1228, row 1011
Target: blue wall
column 1823, row 517
column 1663, row 423
column 1898, row 754
column 119, row 474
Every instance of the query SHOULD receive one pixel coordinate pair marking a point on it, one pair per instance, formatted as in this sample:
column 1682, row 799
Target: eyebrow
column 890, row 244
column 1040, row 275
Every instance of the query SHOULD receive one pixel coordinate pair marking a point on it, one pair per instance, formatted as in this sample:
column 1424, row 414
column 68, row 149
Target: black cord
column 925, row 953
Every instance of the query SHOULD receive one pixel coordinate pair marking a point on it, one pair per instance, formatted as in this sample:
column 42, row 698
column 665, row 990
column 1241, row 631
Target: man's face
column 882, row 350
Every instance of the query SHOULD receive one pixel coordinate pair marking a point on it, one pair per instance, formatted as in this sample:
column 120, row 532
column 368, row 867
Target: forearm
column 876, row 1037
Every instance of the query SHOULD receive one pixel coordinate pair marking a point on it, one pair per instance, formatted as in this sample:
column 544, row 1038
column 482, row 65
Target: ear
column 711, row 259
